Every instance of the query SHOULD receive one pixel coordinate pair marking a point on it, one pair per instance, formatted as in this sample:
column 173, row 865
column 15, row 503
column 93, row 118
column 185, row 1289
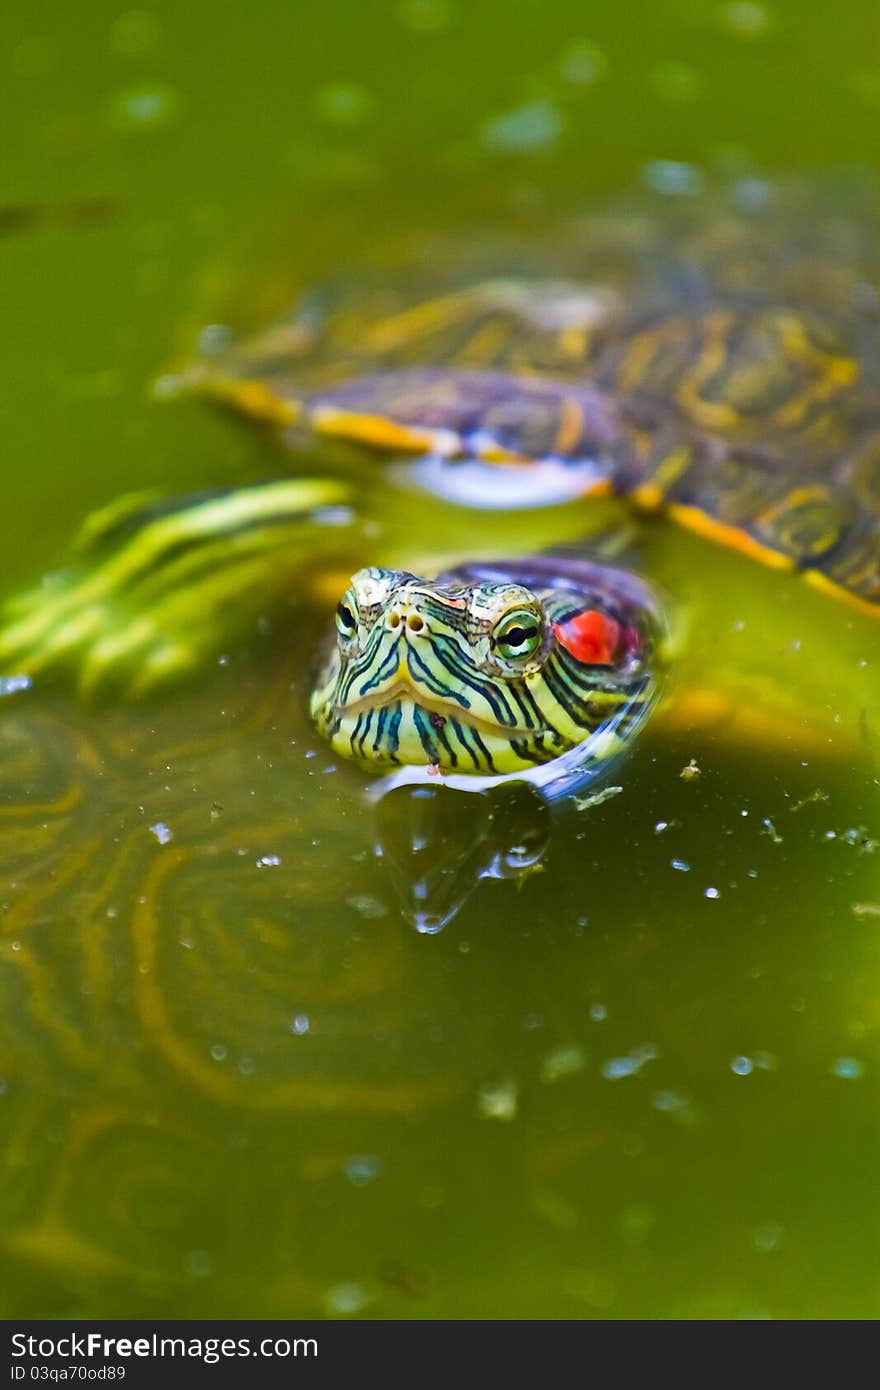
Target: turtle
column 712, row 362
column 717, row 365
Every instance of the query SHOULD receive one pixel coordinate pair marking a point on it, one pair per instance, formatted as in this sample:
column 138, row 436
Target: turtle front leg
column 158, row 586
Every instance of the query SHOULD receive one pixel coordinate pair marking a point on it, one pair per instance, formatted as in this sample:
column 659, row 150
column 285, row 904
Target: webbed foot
column 158, row 586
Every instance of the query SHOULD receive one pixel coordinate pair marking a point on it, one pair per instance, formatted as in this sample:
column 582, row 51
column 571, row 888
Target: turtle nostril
column 394, row 618
column 415, row 623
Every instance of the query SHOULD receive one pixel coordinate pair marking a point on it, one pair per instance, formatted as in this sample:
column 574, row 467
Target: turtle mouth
column 436, row 708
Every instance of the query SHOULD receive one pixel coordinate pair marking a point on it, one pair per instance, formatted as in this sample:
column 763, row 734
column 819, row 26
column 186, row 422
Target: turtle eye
column 346, row 618
column 518, row 635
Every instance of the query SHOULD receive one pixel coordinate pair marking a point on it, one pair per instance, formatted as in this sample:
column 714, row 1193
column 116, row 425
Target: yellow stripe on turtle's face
column 478, row 678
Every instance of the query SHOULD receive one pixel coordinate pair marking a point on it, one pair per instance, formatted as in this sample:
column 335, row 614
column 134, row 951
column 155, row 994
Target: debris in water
column 613, row 1068
column 596, row 798
column 161, row 832
column 691, row 772
column 865, row 909
column 850, row 1068
column 497, row 1100
column 346, row 1299
column 817, row 795
column 362, row 1169
column 527, row 130
column 367, row 907
column 770, row 829
column 563, row 1061
column 11, row 685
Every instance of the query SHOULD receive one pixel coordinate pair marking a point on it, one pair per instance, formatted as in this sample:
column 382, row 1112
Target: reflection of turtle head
column 438, row 843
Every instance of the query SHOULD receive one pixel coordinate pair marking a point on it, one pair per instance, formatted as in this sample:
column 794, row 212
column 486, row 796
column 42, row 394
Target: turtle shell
column 712, row 356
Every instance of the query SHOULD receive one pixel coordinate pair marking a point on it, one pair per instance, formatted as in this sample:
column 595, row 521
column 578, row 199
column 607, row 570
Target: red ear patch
column 591, row 637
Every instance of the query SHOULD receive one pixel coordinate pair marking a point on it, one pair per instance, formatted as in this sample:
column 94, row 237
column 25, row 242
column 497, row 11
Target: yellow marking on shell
column 632, row 369
column 837, row 370
column 651, row 494
column 696, row 520
column 802, row 496
column 826, row 585
column 483, row 348
column 571, row 426
column 376, row 431
column 573, row 343
column 599, row 487
column 256, row 399
column 491, row 452
column 431, row 316
column 714, row 415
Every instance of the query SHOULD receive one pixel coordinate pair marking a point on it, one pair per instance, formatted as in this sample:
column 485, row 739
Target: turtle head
column 473, row 675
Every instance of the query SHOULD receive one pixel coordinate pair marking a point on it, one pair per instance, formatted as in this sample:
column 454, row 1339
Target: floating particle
column 362, row 1169
column 767, row 1237
column 768, row 828
column 850, row 1068
column 199, row 1263
column 742, row 1066
column 582, row 64
column 859, row 838
column 162, row 833
column 367, row 907
column 681, row 865
column 268, row 861
column 814, row 796
column 596, row 798
column 676, row 83
column 691, row 772
column 11, row 685
column 425, row 16
column 527, row 130
column 134, row 33
column 343, row 103
column 563, row 1061
column 346, row 1299
column 598, row 1013
column 300, row 1025
column 218, row 1052
column 673, row 179
column 745, row 19
column 613, row 1068
column 498, row 1100
column 556, row 1209
column 591, row 1288
column 145, row 107
column 865, row 909
column 637, row 1222
column 711, row 893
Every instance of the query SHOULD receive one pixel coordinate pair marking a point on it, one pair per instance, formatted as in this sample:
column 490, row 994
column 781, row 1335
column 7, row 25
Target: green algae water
column 635, row 1075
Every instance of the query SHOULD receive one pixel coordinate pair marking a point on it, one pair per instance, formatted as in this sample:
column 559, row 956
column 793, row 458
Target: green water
column 235, row 1087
